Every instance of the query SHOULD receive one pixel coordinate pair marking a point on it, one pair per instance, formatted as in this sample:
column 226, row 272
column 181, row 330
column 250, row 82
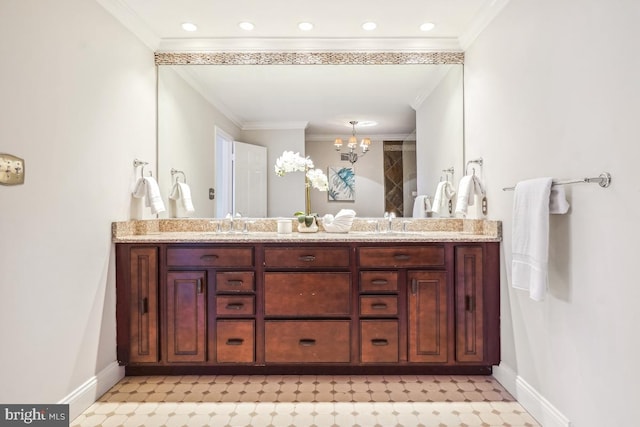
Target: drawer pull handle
column 379, row 306
column 379, row 282
column 235, row 282
column 199, row 286
column 307, row 342
column 401, row 257
column 235, row 306
column 414, row 286
column 235, row 341
column 144, row 306
column 379, row 342
column 307, row 258
column 209, row 257
column 469, row 303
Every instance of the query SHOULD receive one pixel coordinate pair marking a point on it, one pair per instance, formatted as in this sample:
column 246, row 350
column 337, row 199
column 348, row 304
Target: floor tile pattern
column 312, row 401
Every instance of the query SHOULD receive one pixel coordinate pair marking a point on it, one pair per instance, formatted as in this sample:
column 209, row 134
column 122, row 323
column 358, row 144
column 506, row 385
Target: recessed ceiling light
column 247, row 26
column 369, row 26
column 188, row 26
column 427, row 26
column 305, row 26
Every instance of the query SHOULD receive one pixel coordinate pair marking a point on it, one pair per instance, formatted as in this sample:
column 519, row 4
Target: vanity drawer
column 378, row 341
column 235, row 305
column 374, row 305
column 307, row 294
column 378, row 281
column 235, row 342
column 325, row 341
column 243, row 281
column 412, row 256
column 210, row 256
column 307, row 257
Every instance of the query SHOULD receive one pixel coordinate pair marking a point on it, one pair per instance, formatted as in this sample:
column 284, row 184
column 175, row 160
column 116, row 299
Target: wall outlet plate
column 11, row 170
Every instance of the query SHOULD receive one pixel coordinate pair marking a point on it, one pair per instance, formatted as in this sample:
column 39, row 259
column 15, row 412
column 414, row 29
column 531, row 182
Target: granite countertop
column 264, row 230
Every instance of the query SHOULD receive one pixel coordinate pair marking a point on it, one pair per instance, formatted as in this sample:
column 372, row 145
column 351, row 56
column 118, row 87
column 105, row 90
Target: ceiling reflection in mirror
column 303, row 108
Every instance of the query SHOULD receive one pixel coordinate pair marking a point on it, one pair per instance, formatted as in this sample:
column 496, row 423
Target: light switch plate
column 11, row 170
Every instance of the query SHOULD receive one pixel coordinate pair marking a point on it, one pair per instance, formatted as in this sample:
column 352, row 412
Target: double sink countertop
column 205, row 230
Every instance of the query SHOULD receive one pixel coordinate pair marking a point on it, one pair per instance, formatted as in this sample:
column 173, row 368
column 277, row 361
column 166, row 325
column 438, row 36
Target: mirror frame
column 308, row 58
column 312, row 58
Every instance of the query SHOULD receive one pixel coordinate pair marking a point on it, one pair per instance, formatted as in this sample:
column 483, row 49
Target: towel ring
column 137, row 163
column 176, row 172
column 478, row 161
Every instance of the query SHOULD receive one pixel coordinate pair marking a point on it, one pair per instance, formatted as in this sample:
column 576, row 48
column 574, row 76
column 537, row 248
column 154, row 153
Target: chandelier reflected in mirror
column 352, row 144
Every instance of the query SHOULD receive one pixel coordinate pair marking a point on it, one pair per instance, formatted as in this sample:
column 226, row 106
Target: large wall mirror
column 282, row 104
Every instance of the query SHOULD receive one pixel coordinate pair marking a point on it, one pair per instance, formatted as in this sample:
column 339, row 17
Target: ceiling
column 265, row 94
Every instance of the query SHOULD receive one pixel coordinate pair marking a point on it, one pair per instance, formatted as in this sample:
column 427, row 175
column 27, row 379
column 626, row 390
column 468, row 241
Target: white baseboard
column 535, row 404
column 86, row 395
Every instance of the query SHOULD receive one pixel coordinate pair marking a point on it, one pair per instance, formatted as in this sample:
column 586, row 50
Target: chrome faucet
column 389, row 216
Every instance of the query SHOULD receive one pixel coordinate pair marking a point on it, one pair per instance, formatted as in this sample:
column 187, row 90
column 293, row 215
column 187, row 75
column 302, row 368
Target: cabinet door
column 186, row 316
column 427, row 316
column 469, row 304
column 143, row 305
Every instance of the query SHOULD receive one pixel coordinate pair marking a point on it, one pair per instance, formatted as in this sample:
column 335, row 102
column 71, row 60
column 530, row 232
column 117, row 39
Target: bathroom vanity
column 198, row 302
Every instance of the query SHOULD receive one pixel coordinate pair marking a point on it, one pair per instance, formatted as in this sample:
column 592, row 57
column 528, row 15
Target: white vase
column 313, row 228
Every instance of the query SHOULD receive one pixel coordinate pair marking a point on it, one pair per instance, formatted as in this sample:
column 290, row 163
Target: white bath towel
column 181, row 193
column 469, row 187
column 444, row 194
column 558, row 200
column 147, row 187
column 530, row 239
column 421, row 206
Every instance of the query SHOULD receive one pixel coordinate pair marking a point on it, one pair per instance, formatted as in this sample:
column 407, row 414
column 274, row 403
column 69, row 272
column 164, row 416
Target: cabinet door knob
column 379, row 342
column 307, row 342
column 235, row 341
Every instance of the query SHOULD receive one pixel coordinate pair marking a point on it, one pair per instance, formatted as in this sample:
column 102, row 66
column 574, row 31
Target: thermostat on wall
column 11, row 170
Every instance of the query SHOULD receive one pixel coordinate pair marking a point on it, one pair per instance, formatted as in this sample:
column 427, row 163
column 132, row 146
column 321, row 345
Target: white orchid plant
column 313, row 178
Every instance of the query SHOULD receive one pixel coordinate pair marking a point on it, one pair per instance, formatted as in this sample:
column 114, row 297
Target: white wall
column 186, row 140
column 552, row 89
column 369, row 180
column 439, row 133
column 78, row 104
column 286, row 193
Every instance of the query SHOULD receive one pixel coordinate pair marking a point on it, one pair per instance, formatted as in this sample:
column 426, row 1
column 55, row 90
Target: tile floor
column 309, row 401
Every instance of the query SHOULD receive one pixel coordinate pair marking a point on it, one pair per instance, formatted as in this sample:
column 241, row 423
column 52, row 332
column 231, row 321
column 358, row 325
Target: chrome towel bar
column 604, row 180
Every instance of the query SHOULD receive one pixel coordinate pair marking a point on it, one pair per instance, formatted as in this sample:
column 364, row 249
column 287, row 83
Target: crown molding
column 309, row 44
column 132, row 22
column 274, row 125
column 375, row 137
column 486, row 14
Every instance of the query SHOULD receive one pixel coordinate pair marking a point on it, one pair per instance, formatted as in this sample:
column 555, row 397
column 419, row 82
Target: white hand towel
column 469, row 187
column 147, row 187
column 558, row 200
column 444, row 193
column 530, row 239
column 420, row 206
column 182, row 193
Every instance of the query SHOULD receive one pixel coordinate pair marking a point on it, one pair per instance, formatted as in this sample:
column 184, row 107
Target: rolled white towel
column 469, row 187
column 420, row 206
column 444, row 193
column 182, row 193
column 147, row 187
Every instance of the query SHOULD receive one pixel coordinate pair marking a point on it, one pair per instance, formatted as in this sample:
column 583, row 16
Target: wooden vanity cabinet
column 137, row 304
column 342, row 307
